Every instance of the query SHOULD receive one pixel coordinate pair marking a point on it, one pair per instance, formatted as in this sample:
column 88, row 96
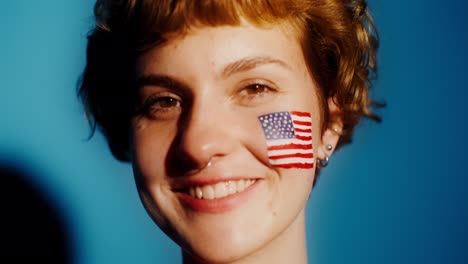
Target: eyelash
column 152, row 106
column 168, row 105
column 260, row 92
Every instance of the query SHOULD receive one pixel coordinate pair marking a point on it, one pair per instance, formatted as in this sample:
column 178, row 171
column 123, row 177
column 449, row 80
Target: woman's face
column 199, row 151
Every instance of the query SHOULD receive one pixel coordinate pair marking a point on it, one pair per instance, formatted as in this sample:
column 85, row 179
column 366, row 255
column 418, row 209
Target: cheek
column 150, row 146
column 289, row 139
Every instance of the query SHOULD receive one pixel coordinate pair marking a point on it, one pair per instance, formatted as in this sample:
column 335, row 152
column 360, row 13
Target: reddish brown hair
column 338, row 39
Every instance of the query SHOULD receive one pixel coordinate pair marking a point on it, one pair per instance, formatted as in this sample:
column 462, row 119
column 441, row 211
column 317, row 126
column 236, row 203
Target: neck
column 288, row 247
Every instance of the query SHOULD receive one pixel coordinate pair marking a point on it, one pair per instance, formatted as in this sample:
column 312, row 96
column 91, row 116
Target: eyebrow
column 161, row 81
column 250, row 63
column 241, row 65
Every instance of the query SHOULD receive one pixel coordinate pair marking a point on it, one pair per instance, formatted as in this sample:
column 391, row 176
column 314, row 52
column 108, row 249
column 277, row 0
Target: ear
column 332, row 132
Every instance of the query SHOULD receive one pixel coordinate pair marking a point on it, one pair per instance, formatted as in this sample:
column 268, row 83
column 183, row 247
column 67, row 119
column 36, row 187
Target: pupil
column 166, row 102
column 257, row 88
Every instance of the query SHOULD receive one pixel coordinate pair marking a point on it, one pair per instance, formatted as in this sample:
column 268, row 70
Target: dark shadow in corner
column 31, row 226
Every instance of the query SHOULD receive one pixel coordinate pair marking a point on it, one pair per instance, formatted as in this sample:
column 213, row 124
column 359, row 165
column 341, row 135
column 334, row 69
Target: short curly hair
column 338, row 38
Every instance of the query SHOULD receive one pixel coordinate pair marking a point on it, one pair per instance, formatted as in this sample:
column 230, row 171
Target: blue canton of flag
column 289, row 139
column 277, row 126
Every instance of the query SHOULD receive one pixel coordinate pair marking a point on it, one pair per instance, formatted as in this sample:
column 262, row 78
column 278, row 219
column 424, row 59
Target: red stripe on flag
column 295, row 155
column 300, row 113
column 303, row 130
column 303, row 123
column 290, row 146
column 295, row 165
column 304, row 138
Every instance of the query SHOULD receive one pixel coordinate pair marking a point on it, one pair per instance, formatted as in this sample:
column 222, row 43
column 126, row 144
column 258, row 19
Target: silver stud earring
column 322, row 163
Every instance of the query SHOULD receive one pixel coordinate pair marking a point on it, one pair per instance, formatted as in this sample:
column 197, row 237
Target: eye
column 162, row 106
column 256, row 93
column 255, row 89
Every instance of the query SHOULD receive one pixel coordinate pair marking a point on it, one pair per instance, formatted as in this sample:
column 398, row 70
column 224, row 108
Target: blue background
column 396, row 195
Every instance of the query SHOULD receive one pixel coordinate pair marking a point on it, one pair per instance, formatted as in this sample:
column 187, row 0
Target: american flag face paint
column 289, row 139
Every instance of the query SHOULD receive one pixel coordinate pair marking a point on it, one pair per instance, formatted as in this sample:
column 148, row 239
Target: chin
column 222, row 250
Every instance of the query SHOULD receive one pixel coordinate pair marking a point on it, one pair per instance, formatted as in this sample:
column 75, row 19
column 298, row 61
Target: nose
column 205, row 135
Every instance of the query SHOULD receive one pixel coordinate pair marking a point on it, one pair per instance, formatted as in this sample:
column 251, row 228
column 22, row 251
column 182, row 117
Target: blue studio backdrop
column 396, row 195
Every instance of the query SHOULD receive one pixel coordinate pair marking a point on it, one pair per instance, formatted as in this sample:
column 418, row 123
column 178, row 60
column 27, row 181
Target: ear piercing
column 322, row 163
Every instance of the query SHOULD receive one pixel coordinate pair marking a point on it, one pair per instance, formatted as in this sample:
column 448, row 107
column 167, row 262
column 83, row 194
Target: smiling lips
column 220, row 189
column 217, row 197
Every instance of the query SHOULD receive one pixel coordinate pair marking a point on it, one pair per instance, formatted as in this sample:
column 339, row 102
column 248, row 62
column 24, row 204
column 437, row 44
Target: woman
column 227, row 110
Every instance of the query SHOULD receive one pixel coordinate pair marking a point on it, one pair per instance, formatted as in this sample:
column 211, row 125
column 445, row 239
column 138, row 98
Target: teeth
column 220, row 189
column 231, row 187
column 240, row 185
column 208, row 192
column 199, row 192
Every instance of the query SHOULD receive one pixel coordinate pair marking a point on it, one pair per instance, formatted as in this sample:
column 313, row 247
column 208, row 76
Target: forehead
column 217, row 46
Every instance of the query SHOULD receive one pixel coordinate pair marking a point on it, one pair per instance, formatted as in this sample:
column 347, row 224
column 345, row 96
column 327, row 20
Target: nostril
column 181, row 165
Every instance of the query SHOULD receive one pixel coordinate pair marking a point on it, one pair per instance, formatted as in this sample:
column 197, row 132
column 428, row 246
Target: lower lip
column 218, row 205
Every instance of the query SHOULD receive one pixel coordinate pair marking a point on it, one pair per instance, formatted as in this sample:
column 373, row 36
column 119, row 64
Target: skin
column 199, row 106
